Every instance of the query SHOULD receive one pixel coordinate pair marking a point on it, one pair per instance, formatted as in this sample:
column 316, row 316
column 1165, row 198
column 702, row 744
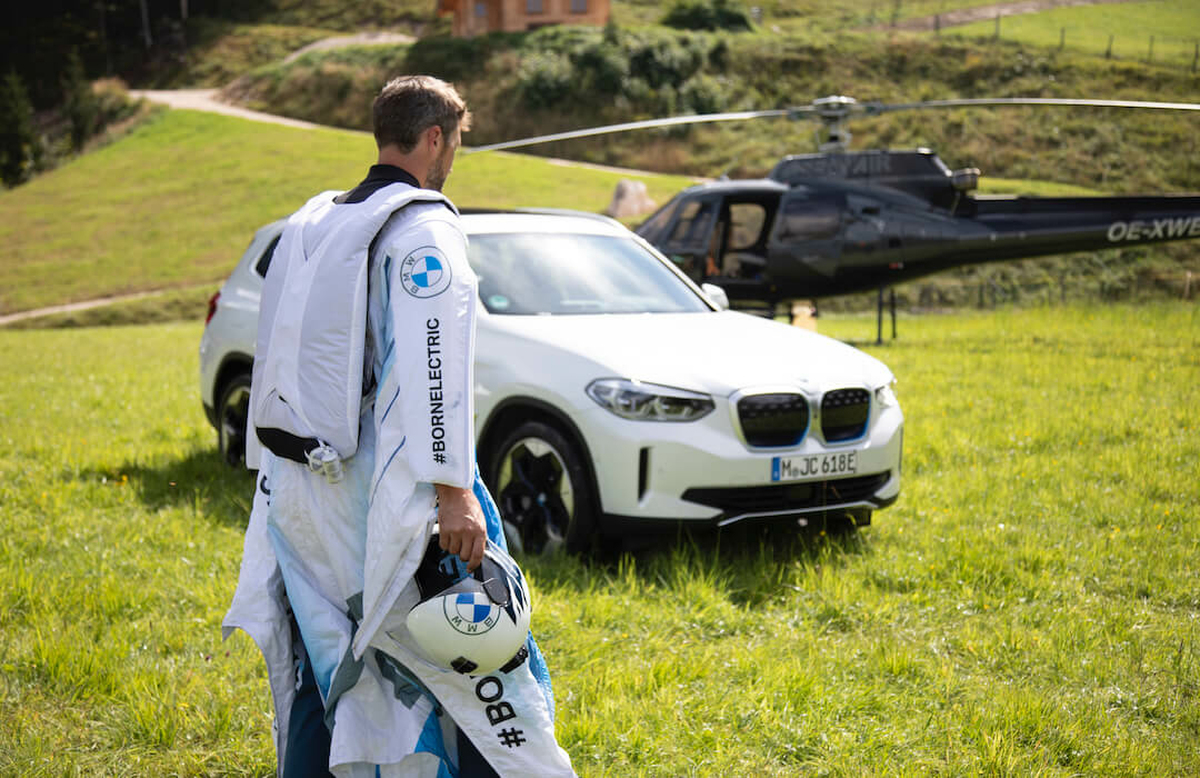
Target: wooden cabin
column 474, row 17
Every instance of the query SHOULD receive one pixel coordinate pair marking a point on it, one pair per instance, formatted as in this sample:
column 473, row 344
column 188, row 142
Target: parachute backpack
column 310, row 355
column 473, row 623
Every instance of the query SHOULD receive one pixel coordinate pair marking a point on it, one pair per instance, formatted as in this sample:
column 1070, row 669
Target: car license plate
column 816, row 466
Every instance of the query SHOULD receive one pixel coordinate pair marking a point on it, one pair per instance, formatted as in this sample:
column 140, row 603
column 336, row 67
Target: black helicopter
column 844, row 221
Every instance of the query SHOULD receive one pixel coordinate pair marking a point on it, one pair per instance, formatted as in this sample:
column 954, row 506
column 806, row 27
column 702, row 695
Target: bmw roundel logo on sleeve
column 425, row 272
column 471, row 613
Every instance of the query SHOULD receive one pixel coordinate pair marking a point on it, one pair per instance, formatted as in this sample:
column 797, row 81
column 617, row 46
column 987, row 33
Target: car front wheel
column 539, row 480
column 232, row 412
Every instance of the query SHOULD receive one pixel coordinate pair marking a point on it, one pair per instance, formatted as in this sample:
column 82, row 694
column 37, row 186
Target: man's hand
column 462, row 529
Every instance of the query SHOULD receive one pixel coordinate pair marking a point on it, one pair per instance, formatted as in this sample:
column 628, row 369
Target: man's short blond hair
column 409, row 105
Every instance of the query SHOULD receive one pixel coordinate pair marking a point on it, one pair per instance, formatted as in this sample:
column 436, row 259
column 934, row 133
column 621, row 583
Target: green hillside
column 175, row 202
column 182, row 194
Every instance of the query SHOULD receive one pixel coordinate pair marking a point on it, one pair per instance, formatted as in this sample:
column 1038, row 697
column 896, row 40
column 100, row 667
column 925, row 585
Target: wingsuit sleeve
column 424, row 405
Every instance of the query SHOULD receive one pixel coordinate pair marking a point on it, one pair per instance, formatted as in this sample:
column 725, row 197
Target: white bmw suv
column 613, row 396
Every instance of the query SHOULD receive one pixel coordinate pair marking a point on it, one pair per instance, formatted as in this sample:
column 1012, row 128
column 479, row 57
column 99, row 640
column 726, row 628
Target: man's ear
column 433, row 136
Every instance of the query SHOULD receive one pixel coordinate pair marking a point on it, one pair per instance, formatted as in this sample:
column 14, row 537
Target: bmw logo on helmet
column 475, row 623
column 425, row 272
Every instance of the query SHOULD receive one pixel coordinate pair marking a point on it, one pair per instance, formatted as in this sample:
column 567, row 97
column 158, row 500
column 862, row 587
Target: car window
column 264, row 262
column 563, row 274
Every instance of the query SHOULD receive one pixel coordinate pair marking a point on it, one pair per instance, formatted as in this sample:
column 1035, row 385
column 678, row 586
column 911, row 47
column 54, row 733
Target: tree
column 18, row 141
column 79, row 103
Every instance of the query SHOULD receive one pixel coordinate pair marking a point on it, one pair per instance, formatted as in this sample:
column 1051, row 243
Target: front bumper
column 702, row 473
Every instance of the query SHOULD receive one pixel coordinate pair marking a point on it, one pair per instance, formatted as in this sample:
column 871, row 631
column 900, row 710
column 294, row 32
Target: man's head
column 419, row 122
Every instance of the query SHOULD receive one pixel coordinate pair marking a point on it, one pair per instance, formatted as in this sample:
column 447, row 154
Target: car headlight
column 885, row 396
column 648, row 402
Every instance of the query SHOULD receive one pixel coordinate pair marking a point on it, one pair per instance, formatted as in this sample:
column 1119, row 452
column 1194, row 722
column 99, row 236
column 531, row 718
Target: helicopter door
column 690, row 238
column 809, row 229
column 739, row 249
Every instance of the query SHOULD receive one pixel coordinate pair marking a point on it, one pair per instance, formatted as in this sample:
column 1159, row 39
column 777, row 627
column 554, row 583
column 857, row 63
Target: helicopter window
column 655, row 227
column 693, row 223
column 806, row 219
column 746, row 223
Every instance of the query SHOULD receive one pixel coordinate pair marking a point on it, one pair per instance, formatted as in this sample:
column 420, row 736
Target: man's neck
column 390, row 155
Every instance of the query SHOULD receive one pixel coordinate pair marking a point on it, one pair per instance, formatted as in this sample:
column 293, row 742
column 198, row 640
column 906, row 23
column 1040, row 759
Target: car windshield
column 548, row 273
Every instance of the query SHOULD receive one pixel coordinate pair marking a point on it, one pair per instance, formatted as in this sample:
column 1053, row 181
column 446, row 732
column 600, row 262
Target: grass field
column 174, row 203
column 1029, row 607
column 1174, row 25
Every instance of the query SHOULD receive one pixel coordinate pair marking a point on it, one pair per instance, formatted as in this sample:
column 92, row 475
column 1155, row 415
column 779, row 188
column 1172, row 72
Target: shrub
column 455, row 59
column 667, row 60
column 605, row 68
column 545, row 80
column 704, row 94
column 706, row 15
column 112, row 101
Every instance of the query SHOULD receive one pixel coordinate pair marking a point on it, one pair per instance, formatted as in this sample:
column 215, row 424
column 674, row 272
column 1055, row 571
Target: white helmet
column 475, row 623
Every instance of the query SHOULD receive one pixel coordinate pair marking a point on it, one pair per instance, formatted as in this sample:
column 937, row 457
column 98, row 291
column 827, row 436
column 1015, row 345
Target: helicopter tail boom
column 1025, row 227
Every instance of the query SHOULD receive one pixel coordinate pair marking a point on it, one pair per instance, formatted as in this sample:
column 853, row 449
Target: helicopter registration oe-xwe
column 843, row 221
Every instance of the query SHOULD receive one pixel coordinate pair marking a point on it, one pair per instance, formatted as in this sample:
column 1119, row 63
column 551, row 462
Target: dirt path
column 361, row 39
column 82, row 305
column 985, row 13
column 206, row 100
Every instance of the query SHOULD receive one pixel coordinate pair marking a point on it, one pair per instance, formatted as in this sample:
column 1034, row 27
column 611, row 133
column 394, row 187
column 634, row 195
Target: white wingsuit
column 378, row 277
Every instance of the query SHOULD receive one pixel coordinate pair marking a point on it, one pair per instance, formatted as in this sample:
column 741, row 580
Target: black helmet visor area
column 439, row 570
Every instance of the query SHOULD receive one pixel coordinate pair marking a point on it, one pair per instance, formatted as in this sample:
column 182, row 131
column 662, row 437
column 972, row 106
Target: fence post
column 997, row 35
column 1187, row 286
column 1150, row 56
column 1196, row 56
column 1062, row 38
column 1108, row 53
column 937, row 25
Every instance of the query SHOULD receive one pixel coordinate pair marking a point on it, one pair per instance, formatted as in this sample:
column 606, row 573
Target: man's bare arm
column 462, row 528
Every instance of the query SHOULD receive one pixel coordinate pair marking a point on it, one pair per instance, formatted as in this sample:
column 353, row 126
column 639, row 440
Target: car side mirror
column 716, row 296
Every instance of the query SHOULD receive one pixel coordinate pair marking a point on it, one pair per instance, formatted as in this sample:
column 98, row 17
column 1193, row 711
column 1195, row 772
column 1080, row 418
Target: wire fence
column 1152, row 48
column 1015, row 22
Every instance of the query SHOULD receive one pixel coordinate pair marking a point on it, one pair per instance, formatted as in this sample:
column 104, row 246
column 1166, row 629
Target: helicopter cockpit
column 719, row 231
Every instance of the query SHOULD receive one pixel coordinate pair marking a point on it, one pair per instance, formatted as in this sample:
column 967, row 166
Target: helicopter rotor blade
column 832, row 110
column 878, row 108
column 641, row 125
